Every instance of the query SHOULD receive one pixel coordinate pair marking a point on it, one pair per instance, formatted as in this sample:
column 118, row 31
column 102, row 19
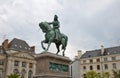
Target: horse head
column 45, row 27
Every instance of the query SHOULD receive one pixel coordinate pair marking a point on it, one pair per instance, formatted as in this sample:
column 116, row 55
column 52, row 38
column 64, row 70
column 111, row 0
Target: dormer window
column 84, row 56
column 115, row 52
column 89, row 55
column 1, row 51
column 29, row 48
column 15, row 45
column 20, row 46
column 26, row 48
column 105, row 53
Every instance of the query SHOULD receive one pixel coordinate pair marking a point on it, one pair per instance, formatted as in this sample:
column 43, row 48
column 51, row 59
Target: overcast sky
column 87, row 23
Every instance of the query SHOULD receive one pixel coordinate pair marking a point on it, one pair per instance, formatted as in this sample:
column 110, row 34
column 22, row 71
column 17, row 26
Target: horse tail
column 64, row 42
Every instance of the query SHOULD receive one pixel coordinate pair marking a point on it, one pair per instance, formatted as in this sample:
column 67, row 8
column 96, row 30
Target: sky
column 87, row 23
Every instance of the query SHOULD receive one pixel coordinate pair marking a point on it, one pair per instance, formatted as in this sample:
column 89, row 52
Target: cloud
column 87, row 23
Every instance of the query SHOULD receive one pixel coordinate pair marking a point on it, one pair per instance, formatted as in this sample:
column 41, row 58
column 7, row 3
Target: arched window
column 30, row 74
column 23, row 73
column 16, row 71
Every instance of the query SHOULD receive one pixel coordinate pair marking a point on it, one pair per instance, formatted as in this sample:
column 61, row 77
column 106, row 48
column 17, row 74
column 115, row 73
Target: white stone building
column 20, row 58
column 101, row 60
column 75, row 66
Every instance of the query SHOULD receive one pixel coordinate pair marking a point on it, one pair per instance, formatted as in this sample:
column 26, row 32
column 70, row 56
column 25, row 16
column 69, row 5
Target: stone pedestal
column 50, row 65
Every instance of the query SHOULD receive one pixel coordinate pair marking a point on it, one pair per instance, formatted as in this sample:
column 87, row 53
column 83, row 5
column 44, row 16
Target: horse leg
column 63, row 45
column 42, row 44
column 57, row 45
column 64, row 52
column 49, row 43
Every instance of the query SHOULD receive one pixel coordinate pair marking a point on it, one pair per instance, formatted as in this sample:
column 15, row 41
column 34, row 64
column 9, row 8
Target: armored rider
column 56, row 25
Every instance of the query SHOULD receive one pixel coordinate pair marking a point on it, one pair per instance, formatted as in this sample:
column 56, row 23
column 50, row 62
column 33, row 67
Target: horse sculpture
column 50, row 38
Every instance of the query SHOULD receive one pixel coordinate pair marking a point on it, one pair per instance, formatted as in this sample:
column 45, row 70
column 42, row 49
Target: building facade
column 101, row 60
column 20, row 58
column 75, row 66
column 3, row 61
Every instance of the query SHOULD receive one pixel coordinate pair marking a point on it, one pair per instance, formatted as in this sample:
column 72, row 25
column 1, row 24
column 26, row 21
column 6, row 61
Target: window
column 23, row 64
column 26, row 48
column 84, row 75
column 20, row 46
column 84, row 67
column 1, row 62
column 84, row 61
column 15, row 45
column 105, row 59
column 114, row 66
column 1, row 73
column 91, row 61
column 30, row 65
column 71, row 71
column 89, row 56
column 30, row 73
column 16, row 71
column 98, row 60
column 16, row 63
column 1, row 51
column 105, row 66
column 98, row 67
column 29, row 48
column 91, row 67
column 23, row 73
column 113, row 58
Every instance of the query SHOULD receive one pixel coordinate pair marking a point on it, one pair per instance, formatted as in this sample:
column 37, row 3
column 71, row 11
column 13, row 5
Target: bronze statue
column 56, row 26
column 53, row 35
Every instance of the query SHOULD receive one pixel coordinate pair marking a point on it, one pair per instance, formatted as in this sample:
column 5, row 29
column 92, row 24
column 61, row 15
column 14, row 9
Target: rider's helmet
column 55, row 17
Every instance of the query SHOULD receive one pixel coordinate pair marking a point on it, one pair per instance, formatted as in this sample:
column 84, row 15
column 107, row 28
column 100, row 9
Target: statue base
column 50, row 65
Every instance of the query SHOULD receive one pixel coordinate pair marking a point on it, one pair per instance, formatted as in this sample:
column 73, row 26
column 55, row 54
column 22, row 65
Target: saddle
column 57, row 36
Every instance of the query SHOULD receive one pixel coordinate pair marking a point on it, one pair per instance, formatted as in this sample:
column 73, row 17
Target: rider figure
column 56, row 26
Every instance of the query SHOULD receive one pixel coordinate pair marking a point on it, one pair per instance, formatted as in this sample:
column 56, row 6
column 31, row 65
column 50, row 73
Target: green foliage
column 116, row 73
column 93, row 74
column 13, row 76
column 104, row 75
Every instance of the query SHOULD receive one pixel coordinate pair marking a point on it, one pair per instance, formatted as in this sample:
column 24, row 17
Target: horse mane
column 45, row 25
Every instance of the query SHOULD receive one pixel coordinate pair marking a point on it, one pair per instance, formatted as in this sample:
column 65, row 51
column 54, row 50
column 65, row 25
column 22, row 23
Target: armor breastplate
column 55, row 23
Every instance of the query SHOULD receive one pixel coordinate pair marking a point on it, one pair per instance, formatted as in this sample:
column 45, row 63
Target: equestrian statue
column 53, row 35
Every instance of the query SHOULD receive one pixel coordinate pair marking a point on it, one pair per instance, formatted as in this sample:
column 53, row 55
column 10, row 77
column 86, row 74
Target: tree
column 106, row 75
column 116, row 73
column 91, row 74
column 13, row 76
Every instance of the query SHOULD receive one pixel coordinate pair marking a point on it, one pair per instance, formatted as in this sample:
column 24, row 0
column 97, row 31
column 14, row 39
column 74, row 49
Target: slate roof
column 20, row 45
column 96, row 53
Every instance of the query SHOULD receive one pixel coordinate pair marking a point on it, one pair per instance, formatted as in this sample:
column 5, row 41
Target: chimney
column 5, row 44
column 102, row 49
column 33, row 49
column 79, row 54
column 76, row 58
